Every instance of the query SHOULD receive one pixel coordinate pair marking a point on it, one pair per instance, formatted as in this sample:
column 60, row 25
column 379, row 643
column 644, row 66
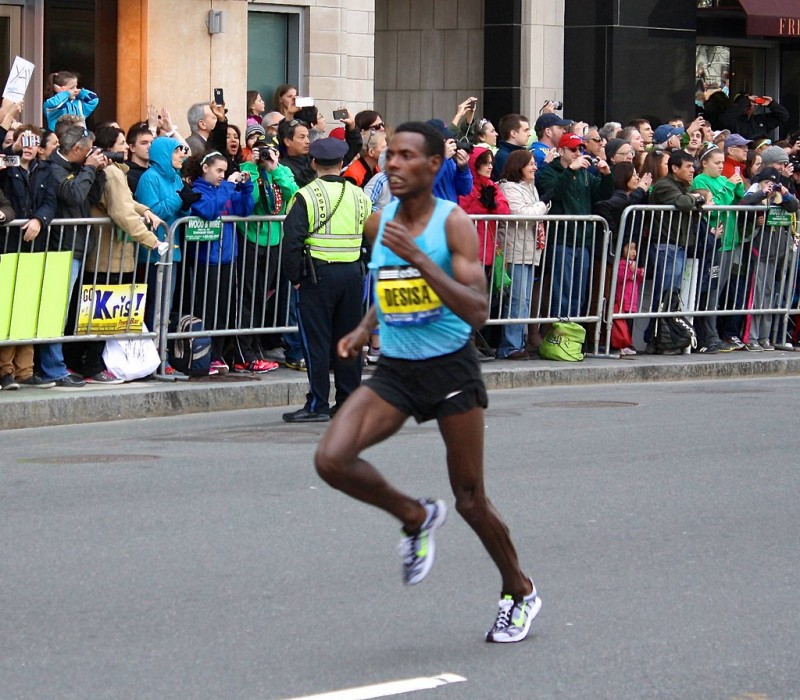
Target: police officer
column 322, row 258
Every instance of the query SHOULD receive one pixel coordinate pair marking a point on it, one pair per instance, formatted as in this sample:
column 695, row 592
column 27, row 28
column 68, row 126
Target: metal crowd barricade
column 755, row 279
column 102, row 255
column 569, row 280
column 239, row 296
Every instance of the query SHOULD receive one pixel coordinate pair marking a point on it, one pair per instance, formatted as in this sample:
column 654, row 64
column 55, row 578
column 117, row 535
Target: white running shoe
column 419, row 550
column 514, row 618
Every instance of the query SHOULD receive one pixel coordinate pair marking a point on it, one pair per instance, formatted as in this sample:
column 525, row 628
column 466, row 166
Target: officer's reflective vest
column 337, row 212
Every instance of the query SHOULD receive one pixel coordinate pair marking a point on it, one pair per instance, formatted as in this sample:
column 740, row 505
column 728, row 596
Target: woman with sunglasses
column 162, row 189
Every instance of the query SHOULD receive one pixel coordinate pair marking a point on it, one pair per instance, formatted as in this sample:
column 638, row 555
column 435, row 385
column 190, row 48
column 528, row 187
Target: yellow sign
column 406, row 298
column 112, row 308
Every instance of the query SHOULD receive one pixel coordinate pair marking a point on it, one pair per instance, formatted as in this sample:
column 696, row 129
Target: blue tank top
column 415, row 325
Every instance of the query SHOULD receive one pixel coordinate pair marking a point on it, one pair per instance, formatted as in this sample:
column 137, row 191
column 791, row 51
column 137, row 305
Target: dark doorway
column 81, row 36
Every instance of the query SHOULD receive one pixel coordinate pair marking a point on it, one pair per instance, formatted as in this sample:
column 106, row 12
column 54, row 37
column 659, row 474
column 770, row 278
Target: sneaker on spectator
column 737, row 341
column 514, row 617
column 218, row 367
column 708, row 349
column 37, row 382
column 725, row 346
column 170, row 371
column 104, row 377
column 765, row 344
column 7, row 382
column 787, row 346
column 274, row 355
column 296, row 364
column 71, row 381
column 255, row 366
column 627, row 351
column 753, row 346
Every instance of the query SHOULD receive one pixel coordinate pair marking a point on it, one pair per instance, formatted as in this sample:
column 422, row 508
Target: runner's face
column 409, row 169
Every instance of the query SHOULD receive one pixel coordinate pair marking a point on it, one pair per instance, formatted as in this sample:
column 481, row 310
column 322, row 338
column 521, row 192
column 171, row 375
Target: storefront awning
column 772, row 17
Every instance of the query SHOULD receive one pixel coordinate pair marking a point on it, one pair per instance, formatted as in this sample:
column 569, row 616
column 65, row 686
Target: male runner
column 430, row 290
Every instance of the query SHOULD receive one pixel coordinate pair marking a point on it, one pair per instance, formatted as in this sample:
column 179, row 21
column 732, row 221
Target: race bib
column 406, row 298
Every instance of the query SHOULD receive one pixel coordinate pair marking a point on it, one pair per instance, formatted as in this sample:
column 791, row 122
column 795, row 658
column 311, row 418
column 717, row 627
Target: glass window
column 273, row 51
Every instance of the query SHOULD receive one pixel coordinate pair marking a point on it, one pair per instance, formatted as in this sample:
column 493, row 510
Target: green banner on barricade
column 8, row 277
column 55, row 295
column 27, row 293
column 776, row 216
column 201, row 230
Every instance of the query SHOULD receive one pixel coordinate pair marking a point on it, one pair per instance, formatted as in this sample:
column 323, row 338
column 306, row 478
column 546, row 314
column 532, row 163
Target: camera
column 557, row 104
column 592, row 160
column 339, row 114
column 465, row 146
column 9, row 161
column 699, row 201
column 263, row 152
column 30, row 140
column 114, row 157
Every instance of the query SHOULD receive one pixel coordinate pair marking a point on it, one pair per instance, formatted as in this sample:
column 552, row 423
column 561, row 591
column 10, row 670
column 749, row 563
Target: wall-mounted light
column 215, row 22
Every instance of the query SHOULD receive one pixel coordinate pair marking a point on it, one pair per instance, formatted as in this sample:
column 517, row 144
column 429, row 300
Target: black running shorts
column 434, row 388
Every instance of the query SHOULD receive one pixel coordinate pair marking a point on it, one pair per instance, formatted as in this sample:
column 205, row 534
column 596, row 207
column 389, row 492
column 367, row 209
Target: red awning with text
column 772, row 17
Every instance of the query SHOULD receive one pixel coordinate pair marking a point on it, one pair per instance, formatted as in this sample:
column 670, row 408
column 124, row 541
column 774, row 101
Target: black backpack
column 672, row 333
column 192, row 356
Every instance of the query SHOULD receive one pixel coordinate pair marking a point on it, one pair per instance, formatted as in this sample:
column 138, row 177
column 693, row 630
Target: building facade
column 412, row 58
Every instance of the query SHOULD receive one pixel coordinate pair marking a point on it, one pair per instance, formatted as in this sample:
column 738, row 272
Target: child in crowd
column 255, row 107
column 67, row 98
column 629, row 282
column 213, row 267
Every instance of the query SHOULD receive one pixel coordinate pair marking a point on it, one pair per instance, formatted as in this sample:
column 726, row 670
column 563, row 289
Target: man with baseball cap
column 572, row 189
column 668, row 137
column 549, row 129
column 735, row 155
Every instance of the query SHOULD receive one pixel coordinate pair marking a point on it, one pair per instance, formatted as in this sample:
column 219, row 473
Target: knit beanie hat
column 773, row 154
column 253, row 129
column 613, row 146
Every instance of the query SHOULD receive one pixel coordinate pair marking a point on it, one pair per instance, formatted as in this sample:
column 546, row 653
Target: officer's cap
column 328, row 151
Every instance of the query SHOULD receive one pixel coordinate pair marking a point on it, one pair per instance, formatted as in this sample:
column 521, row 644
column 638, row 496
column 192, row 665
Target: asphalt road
column 201, row 557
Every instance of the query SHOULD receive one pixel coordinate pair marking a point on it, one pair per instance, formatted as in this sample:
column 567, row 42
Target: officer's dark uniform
column 322, row 252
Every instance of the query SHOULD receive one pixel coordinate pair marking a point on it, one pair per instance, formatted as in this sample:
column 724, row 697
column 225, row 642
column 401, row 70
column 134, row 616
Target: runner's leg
column 463, row 437
column 365, row 419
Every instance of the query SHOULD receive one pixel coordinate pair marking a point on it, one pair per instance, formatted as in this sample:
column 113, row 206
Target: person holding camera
column 113, row 257
column 454, row 178
column 573, row 190
column 259, row 260
column 753, row 116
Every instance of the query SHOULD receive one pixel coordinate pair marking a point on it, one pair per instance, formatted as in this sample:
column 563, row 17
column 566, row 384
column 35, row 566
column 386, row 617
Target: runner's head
column 413, row 157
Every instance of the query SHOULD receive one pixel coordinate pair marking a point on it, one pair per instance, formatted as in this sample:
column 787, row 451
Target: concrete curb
column 28, row 408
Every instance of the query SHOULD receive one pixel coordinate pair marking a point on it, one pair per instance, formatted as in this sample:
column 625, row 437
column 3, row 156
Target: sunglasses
column 379, row 125
column 182, row 149
column 597, row 139
column 574, row 150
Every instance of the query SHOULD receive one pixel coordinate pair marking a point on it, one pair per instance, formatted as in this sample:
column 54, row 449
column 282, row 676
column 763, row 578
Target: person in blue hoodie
column 213, row 261
column 161, row 188
column 454, row 178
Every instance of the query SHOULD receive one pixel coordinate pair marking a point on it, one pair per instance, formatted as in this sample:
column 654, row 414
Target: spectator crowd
column 147, row 175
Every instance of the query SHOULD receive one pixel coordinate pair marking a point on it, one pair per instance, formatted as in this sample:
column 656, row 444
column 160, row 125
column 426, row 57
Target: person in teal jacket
column 161, row 188
column 67, row 98
column 264, row 301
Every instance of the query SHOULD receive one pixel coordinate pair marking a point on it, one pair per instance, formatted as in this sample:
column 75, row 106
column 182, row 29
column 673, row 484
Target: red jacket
column 471, row 203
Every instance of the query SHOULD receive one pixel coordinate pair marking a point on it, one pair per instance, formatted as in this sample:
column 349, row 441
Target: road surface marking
column 383, row 690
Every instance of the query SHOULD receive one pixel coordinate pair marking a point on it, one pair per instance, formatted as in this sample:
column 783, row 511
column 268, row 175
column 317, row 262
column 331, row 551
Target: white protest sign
column 18, row 79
